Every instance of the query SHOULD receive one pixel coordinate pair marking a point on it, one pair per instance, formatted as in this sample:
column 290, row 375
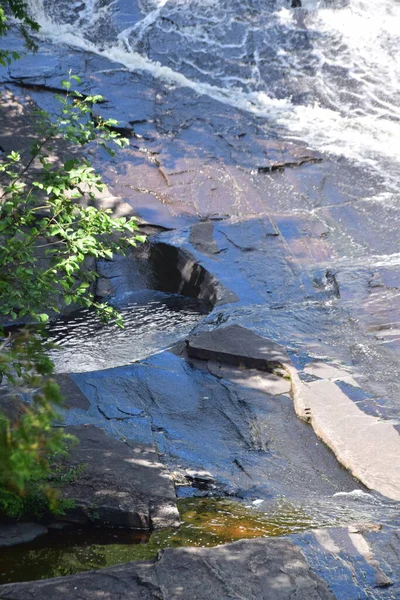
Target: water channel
column 209, row 89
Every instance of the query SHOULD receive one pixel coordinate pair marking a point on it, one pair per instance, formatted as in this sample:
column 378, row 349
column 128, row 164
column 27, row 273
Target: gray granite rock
column 177, row 271
column 237, row 345
column 71, row 393
column 20, row 533
column 202, row 238
column 119, row 485
column 203, row 422
column 247, row 235
column 259, row 569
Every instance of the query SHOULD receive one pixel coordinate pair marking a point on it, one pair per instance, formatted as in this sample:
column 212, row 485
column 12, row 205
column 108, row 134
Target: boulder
column 258, row 569
column 118, row 484
column 20, row 533
column 236, row 345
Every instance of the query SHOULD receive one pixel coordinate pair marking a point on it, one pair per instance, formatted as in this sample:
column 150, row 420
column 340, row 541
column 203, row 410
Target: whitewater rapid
column 327, row 74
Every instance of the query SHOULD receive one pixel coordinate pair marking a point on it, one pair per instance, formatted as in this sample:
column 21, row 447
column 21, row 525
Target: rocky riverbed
column 284, row 375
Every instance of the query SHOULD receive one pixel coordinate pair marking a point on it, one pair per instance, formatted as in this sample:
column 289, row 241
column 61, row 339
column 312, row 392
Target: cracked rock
column 236, row 345
column 119, row 484
column 259, row 569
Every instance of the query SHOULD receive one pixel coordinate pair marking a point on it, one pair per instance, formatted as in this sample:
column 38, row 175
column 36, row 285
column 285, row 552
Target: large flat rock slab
column 118, row 484
column 260, row 569
column 236, row 345
column 366, row 445
column 247, row 438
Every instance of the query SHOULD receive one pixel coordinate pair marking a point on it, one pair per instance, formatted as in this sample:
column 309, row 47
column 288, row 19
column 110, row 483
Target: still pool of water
column 205, row 522
column 153, row 321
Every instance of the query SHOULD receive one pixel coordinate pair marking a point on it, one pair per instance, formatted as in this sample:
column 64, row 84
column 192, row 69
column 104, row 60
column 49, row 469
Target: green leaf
column 42, row 317
column 70, row 164
column 52, row 222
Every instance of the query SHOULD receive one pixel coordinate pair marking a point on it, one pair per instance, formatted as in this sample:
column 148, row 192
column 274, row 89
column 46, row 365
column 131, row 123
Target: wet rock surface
column 367, row 446
column 237, row 345
column 20, row 533
column 118, row 484
column 259, row 446
column 353, row 562
column 307, row 250
column 251, row 569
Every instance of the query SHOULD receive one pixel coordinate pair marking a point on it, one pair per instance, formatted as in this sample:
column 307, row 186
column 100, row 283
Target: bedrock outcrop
column 117, row 483
column 260, row 569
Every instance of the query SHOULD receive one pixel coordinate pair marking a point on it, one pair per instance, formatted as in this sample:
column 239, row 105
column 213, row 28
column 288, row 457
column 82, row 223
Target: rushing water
column 327, row 73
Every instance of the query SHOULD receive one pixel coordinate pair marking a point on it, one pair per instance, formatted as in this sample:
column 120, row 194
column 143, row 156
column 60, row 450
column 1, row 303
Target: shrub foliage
column 51, row 234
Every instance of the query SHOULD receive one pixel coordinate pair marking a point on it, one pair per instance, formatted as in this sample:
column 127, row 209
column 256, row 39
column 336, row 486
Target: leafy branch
column 50, row 230
column 15, row 13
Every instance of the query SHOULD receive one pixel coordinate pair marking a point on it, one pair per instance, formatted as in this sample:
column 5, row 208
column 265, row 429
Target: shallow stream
column 205, row 522
column 212, row 84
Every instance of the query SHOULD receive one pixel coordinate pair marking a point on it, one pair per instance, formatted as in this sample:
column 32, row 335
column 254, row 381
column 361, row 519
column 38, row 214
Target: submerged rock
column 270, row 569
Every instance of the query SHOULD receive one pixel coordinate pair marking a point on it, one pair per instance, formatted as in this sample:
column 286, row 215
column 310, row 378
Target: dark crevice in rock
column 105, row 415
column 126, row 132
column 43, row 87
column 281, row 166
column 241, row 467
column 154, row 226
column 176, row 271
column 139, row 122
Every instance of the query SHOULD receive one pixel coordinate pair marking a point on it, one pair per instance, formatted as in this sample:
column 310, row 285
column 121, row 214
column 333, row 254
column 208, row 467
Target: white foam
column 357, row 115
column 357, row 495
column 257, row 502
